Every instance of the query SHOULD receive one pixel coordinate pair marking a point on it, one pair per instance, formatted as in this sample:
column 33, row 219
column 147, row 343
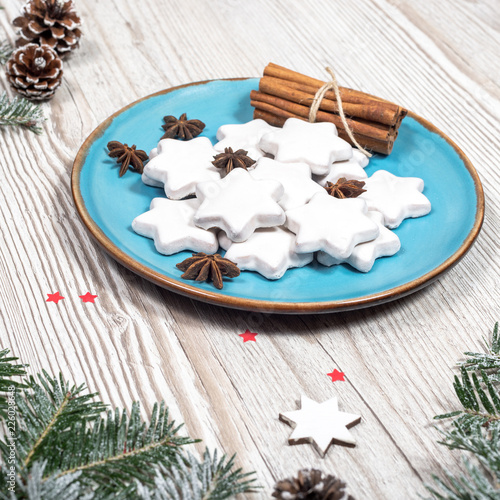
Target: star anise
column 203, row 267
column 181, row 127
column 344, row 188
column 230, row 159
column 127, row 155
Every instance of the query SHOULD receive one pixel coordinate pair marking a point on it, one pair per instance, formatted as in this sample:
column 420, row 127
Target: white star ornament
column 320, row 424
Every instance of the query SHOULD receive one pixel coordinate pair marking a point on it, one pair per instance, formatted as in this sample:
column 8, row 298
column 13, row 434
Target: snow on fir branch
column 5, row 51
column 20, row 112
column 57, row 441
column 475, row 429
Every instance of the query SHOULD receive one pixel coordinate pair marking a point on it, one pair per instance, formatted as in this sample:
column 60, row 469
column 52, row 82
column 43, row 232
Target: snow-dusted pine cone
column 310, row 484
column 35, row 72
column 49, row 22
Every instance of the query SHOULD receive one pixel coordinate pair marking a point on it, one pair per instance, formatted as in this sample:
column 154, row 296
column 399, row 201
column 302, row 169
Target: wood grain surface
column 438, row 58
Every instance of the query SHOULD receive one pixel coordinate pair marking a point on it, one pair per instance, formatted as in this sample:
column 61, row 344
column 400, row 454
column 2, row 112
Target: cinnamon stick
column 376, row 131
column 371, row 110
column 383, row 147
column 284, row 93
column 347, row 95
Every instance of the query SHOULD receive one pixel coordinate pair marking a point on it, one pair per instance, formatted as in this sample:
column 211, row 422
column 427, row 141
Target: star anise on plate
column 181, row 128
column 344, row 188
column 204, row 267
column 230, row 159
column 127, row 156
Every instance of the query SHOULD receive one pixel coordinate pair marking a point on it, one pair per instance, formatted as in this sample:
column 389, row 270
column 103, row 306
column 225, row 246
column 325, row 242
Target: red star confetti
column 54, row 297
column 336, row 376
column 88, row 297
column 248, row 336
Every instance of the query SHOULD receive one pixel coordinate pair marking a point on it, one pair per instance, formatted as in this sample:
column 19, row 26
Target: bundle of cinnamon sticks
column 284, row 93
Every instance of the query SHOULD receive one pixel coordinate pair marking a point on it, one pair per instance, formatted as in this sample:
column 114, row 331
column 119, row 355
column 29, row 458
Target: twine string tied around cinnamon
column 320, row 94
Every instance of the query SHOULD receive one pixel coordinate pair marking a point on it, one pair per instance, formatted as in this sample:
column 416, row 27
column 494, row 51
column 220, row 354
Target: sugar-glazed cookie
column 332, row 225
column 239, row 204
column 397, row 198
column 170, row 224
column 295, row 178
column 363, row 256
column 147, row 180
column 269, row 251
column 243, row 136
column 316, row 144
column 352, row 169
column 180, row 165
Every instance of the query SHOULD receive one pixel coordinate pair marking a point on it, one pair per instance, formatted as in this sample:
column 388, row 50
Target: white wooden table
column 140, row 342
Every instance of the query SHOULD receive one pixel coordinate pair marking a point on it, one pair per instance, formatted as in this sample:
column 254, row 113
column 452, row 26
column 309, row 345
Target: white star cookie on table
column 180, row 165
column 239, row 204
column 397, row 198
column 332, row 225
column 170, row 224
column 316, row 144
column 269, row 251
column 295, row 178
column 352, row 169
column 363, row 256
column 320, row 424
column 243, row 136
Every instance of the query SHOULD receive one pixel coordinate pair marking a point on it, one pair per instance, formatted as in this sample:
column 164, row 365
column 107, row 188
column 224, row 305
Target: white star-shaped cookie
column 180, row 165
column 320, row 424
column 363, row 256
column 269, row 251
column 170, row 224
column 147, row 180
column 352, row 169
column 397, row 198
column 243, row 136
column 238, row 204
column 332, row 225
column 316, row 144
column 295, row 178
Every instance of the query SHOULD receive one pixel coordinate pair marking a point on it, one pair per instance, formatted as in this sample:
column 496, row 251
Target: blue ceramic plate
column 432, row 244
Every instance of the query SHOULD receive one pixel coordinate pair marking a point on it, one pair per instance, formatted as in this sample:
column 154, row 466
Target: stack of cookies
column 275, row 214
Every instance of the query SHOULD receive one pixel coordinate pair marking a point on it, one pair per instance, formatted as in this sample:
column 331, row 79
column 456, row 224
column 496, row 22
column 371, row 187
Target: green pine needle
column 5, row 52
column 63, row 447
column 8, row 370
column 474, row 429
column 20, row 112
column 488, row 361
column 210, row 479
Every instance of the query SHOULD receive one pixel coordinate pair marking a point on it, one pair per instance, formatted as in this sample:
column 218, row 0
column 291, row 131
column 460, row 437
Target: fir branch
column 20, row 112
column 45, row 412
column 476, row 485
column 5, row 51
column 8, row 370
column 210, row 479
column 474, row 429
column 62, row 444
column 489, row 361
column 32, row 486
column 119, row 449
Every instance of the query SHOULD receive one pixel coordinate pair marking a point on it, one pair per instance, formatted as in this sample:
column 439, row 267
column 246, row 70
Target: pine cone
column 35, row 72
column 49, row 22
column 310, row 484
